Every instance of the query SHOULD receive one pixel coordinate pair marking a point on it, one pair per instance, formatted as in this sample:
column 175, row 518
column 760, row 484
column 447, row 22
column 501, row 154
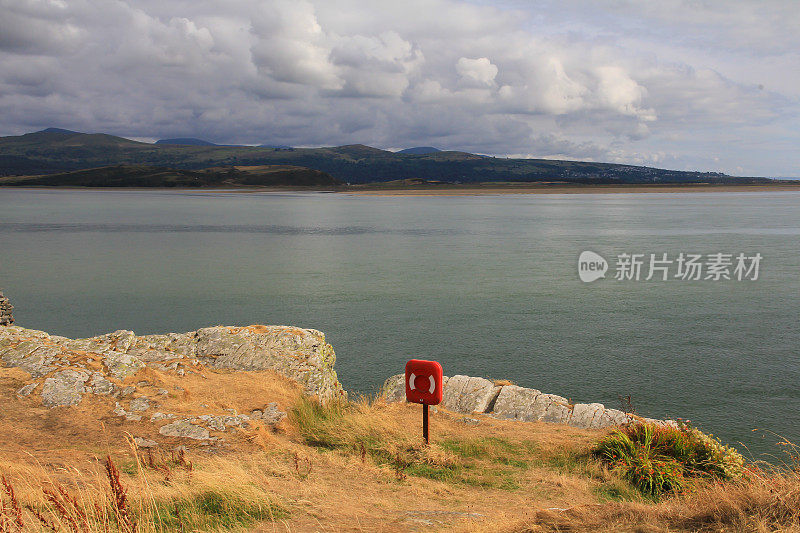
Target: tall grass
column 147, row 503
column 660, row 459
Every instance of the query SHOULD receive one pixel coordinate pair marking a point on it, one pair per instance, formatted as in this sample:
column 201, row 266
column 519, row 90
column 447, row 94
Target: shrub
column 658, row 459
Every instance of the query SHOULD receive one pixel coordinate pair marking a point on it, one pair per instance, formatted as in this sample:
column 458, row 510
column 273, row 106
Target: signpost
column 424, row 384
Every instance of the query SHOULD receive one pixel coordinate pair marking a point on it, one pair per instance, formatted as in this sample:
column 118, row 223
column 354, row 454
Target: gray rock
column 64, row 388
column 217, row 423
column 142, row 442
column 557, row 409
column 223, row 422
column 161, row 416
column 271, row 414
column 587, row 415
column 121, row 365
column 300, row 354
column 256, row 414
column 296, row 353
column 127, row 391
column 140, row 404
column 184, row 429
column 394, row 388
column 100, row 385
column 469, row 421
column 35, row 356
column 518, row 403
column 6, row 318
column 27, row 389
column 612, row 417
column 237, row 420
column 131, row 417
column 465, row 394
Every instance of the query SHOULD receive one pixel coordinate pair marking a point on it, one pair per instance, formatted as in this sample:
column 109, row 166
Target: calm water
column 487, row 285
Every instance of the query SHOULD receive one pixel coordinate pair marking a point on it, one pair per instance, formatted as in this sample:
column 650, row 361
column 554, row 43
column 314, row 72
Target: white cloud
column 479, row 70
column 605, row 80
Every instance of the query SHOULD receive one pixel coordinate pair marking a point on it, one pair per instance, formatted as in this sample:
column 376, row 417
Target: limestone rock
column 394, row 388
column 184, row 429
column 221, row 423
column 64, row 388
column 271, row 414
column 556, row 408
column 518, row 403
column 6, row 319
column 120, row 364
column 140, row 404
column 27, row 389
column 465, row 394
column 142, row 442
column 34, row 356
column 299, row 354
column 100, row 385
column 612, row 417
column 587, row 415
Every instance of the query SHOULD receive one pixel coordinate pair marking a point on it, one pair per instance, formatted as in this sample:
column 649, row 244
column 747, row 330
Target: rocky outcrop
column 467, row 395
column 6, row 319
column 69, row 369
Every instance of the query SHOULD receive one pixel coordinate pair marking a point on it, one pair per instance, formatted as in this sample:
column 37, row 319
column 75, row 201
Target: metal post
column 425, row 422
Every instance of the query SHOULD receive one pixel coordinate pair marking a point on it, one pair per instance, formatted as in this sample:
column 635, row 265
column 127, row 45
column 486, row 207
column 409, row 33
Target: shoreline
column 538, row 188
column 459, row 189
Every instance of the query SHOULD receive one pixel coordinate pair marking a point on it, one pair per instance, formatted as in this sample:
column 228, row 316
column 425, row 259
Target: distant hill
column 276, row 146
column 419, row 150
column 147, row 176
column 50, row 152
column 55, row 130
column 186, row 141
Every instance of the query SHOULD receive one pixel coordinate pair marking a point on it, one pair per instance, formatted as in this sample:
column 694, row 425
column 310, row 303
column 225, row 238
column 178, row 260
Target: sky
column 681, row 84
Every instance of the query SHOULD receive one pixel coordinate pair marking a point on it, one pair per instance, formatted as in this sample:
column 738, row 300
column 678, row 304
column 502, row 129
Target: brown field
column 364, row 469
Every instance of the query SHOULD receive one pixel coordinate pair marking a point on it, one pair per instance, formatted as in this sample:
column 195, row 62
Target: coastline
column 473, row 190
column 461, row 189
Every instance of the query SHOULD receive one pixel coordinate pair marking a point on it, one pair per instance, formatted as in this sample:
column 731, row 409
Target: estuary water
column 487, row 285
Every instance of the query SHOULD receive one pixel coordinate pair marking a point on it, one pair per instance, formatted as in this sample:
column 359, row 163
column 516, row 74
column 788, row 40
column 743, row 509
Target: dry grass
column 760, row 504
column 345, row 467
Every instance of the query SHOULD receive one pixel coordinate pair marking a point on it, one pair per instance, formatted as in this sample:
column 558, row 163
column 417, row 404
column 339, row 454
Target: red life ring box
column 424, row 382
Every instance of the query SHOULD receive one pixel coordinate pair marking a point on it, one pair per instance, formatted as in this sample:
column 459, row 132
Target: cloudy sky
column 684, row 84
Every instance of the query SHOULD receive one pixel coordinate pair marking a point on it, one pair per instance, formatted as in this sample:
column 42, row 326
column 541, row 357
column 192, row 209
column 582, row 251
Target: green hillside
column 57, row 151
column 146, row 176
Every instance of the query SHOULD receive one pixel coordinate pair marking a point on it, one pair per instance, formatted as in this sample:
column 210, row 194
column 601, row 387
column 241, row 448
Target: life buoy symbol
column 412, row 385
column 424, row 382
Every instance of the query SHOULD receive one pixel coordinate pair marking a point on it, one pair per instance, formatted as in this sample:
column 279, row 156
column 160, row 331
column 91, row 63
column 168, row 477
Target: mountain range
column 52, row 151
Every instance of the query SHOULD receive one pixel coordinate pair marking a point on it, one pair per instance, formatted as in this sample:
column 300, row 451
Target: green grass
column 213, row 510
column 658, row 459
column 353, row 429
